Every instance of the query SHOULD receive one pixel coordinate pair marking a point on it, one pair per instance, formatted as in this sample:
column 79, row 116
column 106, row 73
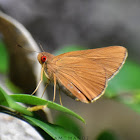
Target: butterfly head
column 42, row 57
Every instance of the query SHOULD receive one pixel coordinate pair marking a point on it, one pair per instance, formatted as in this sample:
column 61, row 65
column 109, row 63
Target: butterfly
column 84, row 74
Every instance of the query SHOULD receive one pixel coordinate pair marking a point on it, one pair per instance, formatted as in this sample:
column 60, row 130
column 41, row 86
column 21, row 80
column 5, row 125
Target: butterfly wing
column 84, row 78
column 111, row 58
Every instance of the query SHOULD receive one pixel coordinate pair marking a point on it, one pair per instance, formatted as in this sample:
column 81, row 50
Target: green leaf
column 69, row 124
column 4, row 59
column 44, row 128
column 6, row 100
column 54, row 131
column 33, row 100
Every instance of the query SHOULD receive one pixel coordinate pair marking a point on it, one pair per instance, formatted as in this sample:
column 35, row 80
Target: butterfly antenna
column 41, row 47
column 27, row 49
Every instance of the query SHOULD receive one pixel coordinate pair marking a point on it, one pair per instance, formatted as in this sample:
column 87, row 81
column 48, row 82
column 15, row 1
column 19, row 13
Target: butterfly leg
column 36, row 108
column 42, row 70
column 46, row 75
column 60, row 97
column 45, row 88
column 54, row 87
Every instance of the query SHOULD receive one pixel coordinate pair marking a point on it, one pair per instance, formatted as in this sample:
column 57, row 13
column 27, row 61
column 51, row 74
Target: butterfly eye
column 43, row 58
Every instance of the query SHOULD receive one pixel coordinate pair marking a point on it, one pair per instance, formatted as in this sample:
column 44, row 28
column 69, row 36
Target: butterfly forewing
column 111, row 58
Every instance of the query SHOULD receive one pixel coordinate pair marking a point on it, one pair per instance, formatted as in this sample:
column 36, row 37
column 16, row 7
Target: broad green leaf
column 69, row 124
column 33, row 100
column 45, row 129
column 6, row 100
column 54, row 131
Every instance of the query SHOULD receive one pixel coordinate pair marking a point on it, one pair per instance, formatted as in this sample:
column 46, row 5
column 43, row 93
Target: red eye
column 43, row 58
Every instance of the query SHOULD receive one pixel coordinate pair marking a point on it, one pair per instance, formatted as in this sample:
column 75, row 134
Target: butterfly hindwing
column 84, row 78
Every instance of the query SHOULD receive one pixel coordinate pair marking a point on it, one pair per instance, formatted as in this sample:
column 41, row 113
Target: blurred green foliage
column 4, row 68
column 68, row 48
column 4, row 58
column 12, row 87
column 125, row 86
column 107, row 135
column 127, row 79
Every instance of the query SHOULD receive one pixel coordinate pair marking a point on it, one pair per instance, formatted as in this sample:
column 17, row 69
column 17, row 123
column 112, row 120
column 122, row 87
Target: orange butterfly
column 84, row 74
